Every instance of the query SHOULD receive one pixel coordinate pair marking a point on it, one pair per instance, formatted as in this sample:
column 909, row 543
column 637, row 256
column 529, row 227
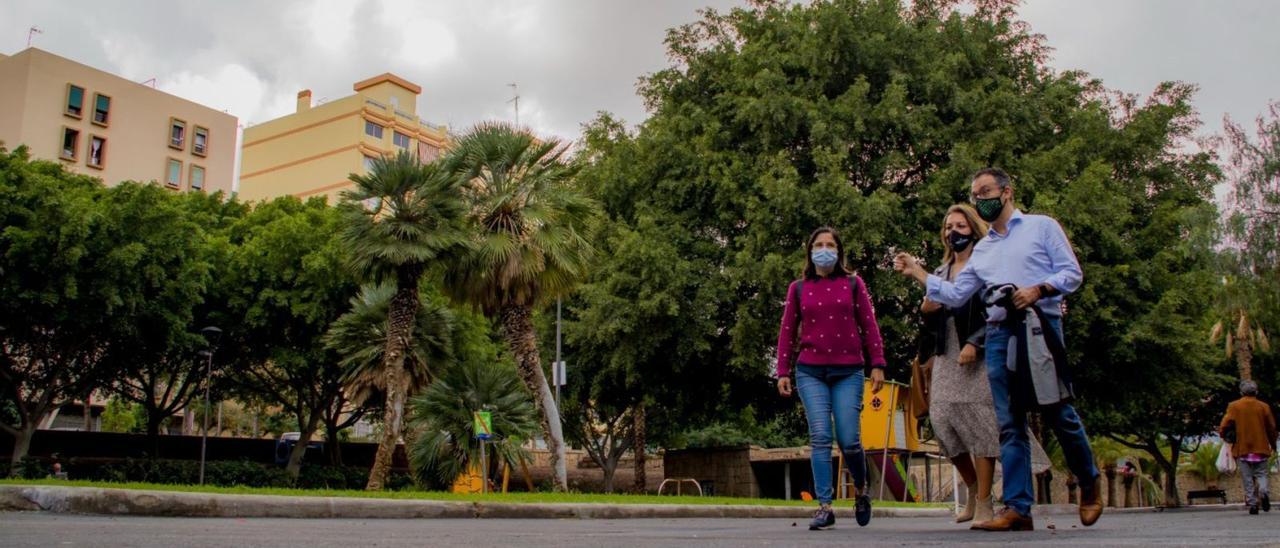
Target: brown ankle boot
column 1007, row 519
column 1091, row 503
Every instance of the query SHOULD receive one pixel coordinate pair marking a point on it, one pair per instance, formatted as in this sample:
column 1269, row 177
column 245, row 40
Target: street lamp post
column 211, row 334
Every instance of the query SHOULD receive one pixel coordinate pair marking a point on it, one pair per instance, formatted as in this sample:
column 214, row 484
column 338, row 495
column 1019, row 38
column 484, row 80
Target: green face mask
column 989, row 208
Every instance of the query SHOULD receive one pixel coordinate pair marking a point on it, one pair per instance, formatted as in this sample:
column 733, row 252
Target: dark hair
column 1002, row 178
column 810, row 271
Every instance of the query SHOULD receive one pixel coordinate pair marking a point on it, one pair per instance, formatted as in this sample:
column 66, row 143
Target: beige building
column 106, row 126
column 313, row 151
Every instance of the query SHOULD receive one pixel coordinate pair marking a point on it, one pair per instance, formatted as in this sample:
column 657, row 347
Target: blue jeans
column 829, row 392
column 1015, row 448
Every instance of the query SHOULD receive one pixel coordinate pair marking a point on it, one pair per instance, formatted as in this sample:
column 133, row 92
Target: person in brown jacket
column 1255, row 440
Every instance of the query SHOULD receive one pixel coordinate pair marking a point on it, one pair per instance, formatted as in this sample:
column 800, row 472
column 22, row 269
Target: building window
column 200, row 143
column 75, row 100
column 428, row 152
column 173, row 174
column 373, row 130
column 70, row 144
column 101, row 109
column 196, row 179
column 97, row 151
column 368, row 164
column 401, row 140
column 177, row 133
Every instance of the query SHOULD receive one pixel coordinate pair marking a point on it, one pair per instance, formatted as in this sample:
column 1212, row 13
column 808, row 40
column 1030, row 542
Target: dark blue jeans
column 833, row 393
column 1015, row 448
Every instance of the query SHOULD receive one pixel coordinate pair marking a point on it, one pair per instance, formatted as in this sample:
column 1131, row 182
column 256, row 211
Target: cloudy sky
column 572, row 58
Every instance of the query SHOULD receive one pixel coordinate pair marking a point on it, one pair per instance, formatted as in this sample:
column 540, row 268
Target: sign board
column 558, row 374
column 483, row 424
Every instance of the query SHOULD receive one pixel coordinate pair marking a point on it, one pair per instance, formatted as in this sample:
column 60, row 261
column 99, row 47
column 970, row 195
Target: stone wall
column 721, row 472
column 585, row 476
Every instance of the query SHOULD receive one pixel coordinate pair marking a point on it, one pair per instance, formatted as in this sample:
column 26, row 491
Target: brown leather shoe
column 1091, row 503
column 1007, row 519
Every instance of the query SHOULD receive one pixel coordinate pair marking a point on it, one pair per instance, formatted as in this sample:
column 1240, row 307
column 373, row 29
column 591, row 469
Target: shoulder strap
column 853, row 293
column 795, row 297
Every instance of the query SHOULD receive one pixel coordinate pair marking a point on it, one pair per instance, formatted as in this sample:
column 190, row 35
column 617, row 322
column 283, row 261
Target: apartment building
column 314, row 150
column 100, row 124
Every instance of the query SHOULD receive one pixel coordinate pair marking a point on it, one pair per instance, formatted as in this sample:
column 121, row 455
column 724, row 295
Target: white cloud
column 328, row 23
column 128, row 54
column 425, row 41
column 231, row 87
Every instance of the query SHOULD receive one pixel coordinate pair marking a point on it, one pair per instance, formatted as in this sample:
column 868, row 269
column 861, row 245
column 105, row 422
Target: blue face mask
column 825, row 258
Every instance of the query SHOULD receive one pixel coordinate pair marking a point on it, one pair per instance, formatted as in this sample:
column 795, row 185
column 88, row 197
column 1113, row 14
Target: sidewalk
column 91, row 500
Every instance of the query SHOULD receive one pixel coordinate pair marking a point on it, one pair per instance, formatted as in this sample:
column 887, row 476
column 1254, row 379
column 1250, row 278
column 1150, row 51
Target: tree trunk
column 88, row 413
column 610, row 469
column 401, row 316
column 640, row 485
column 1171, row 498
column 306, row 431
column 21, row 444
column 1244, row 356
column 154, row 419
column 517, row 327
column 331, row 444
column 1111, row 485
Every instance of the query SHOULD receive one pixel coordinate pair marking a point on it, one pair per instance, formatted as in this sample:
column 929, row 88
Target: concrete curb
column 92, row 500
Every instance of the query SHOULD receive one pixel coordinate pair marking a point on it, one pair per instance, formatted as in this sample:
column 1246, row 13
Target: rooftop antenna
column 31, row 34
column 515, row 100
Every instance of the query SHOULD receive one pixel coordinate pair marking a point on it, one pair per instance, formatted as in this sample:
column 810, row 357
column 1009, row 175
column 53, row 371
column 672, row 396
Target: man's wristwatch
column 1046, row 290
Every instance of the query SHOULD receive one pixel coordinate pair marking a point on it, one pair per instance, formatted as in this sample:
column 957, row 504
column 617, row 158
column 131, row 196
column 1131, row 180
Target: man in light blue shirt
column 1032, row 253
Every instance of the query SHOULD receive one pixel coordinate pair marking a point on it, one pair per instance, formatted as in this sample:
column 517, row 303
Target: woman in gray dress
column 960, row 407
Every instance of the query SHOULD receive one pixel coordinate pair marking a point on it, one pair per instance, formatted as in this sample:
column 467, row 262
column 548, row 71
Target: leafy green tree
column 445, row 447
column 58, row 293
column 869, row 116
column 121, row 415
column 400, row 218
column 287, row 285
column 1250, row 303
column 530, row 246
column 164, row 254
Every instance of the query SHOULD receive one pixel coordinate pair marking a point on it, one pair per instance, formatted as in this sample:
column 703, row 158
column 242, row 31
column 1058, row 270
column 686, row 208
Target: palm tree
column 400, row 217
column 529, row 247
column 1241, row 343
column 443, row 447
column 360, row 335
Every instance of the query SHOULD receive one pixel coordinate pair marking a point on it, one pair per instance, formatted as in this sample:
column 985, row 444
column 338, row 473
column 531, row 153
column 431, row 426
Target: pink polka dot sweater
column 829, row 335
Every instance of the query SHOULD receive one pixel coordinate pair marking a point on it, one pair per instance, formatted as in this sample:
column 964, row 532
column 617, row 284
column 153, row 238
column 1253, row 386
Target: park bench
column 1207, row 494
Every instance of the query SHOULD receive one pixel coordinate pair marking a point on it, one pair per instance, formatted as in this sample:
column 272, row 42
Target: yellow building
column 312, row 151
column 110, row 127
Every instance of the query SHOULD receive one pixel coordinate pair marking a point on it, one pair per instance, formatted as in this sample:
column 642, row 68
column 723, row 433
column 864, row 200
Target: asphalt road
column 1155, row 529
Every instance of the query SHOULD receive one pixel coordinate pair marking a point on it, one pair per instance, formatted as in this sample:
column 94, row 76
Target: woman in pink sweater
column 828, row 335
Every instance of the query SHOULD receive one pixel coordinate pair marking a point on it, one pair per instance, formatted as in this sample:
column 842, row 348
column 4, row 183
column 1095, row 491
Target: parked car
column 288, row 440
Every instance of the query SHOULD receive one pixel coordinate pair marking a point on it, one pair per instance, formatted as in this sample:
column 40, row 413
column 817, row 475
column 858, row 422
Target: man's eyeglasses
column 985, row 194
